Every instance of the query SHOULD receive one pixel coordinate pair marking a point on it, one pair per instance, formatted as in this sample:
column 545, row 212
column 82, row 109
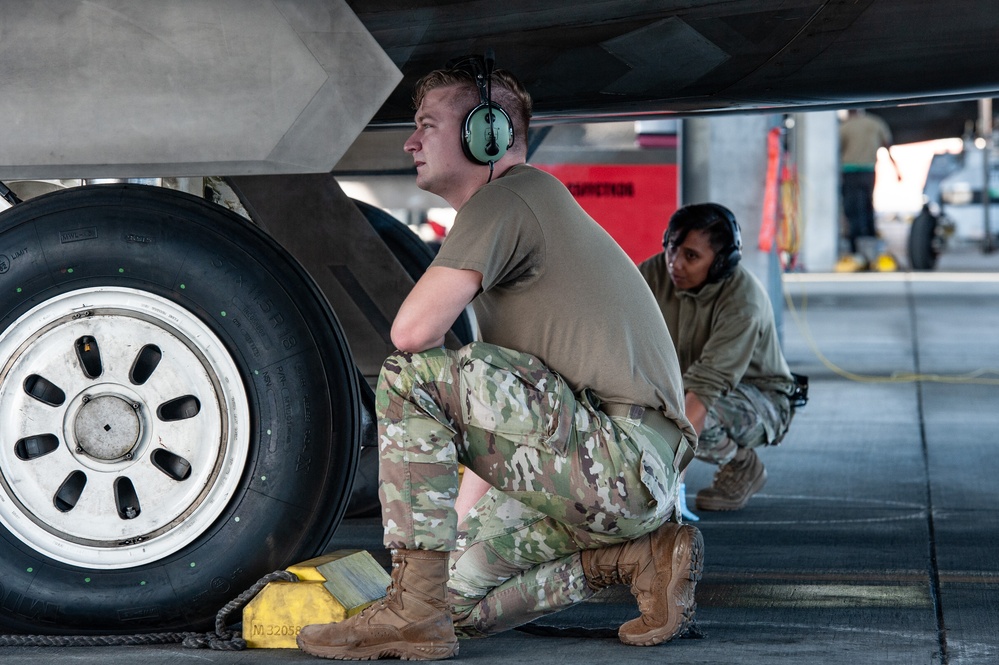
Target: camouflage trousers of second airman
column 565, row 477
column 746, row 417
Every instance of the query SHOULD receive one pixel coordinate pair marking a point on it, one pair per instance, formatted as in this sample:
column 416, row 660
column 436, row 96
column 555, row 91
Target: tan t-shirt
column 557, row 286
column 860, row 136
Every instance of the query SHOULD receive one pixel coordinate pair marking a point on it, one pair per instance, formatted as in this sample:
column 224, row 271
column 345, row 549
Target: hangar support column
column 724, row 160
column 817, row 152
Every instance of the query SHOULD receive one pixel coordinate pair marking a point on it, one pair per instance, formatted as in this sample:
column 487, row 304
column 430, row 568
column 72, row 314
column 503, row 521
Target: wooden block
column 355, row 579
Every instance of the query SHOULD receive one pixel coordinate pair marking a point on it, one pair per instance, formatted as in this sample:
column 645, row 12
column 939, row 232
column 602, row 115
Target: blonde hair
column 507, row 92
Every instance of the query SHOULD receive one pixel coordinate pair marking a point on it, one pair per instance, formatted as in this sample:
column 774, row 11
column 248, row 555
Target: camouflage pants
column 565, row 477
column 746, row 417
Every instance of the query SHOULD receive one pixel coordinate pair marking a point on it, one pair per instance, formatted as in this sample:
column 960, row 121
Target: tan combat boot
column 662, row 567
column 734, row 483
column 412, row 622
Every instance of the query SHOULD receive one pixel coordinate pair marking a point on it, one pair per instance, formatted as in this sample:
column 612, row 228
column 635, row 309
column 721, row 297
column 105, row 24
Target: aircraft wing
column 592, row 59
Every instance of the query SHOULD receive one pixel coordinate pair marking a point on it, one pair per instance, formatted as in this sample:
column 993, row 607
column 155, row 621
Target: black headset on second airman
column 487, row 131
column 728, row 257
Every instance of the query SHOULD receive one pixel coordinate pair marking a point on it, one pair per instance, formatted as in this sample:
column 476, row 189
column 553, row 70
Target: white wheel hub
column 125, row 429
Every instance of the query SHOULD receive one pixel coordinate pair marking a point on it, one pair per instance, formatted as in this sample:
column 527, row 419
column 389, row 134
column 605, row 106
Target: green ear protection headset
column 487, row 132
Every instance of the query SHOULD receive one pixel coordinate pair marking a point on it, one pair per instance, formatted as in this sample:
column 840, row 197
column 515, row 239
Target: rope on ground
column 982, row 376
column 222, row 639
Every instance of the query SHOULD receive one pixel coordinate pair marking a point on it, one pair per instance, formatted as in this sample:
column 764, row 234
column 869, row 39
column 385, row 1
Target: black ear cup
column 728, row 258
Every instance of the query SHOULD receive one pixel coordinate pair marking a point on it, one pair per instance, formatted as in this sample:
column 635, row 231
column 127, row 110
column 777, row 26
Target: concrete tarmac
column 875, row 538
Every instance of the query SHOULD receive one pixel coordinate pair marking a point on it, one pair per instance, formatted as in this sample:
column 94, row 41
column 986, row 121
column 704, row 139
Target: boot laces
column 392, row 592
column 608, row 577
column 732, row 477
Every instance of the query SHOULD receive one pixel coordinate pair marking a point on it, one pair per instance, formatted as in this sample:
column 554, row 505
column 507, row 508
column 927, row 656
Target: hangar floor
column 875, row 538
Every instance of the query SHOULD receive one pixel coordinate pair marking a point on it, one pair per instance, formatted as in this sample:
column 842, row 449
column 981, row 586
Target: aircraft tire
column 415, row 256
column 412, row 252
column 180, row 412
column 923, row 250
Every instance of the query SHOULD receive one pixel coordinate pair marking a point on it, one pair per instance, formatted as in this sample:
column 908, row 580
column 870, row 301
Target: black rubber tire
column 364, row 501
column 297, row 372
column 923, row 250
column 414, row 254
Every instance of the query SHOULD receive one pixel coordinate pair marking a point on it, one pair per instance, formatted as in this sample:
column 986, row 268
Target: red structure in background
column 781, row 221
column 633, row 202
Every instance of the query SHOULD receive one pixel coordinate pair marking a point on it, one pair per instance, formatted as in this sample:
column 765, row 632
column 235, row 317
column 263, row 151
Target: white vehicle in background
column 954, row 210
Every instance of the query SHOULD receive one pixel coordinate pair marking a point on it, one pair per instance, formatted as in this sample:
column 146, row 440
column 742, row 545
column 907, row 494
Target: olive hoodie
column 724, row 333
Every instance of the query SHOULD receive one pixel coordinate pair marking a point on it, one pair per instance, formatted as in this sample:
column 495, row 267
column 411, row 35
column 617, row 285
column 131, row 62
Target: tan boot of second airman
column 412, row 622
column 734, row 483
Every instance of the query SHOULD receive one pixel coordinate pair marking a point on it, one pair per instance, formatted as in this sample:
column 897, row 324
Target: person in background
column 736, row 381
column 861, row 135
column 568, row 415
